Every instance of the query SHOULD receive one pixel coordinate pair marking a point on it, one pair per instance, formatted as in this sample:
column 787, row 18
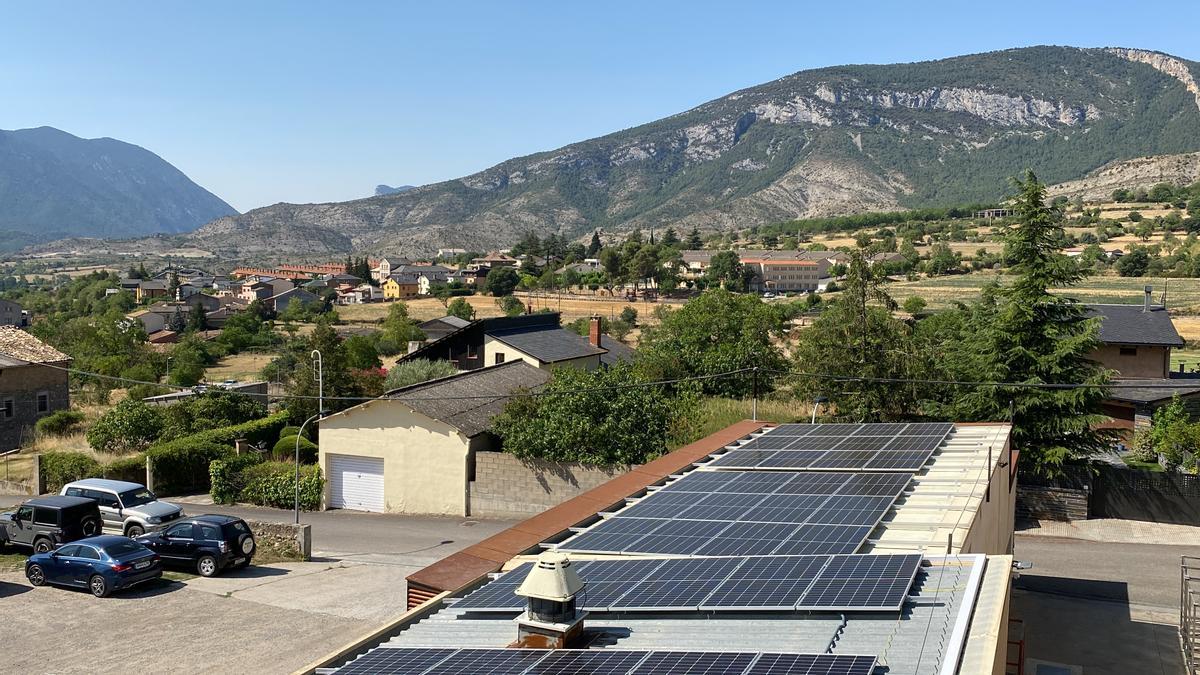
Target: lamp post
column 316, row 356
column 299, row 435
column 168, row 375
column 817, row 404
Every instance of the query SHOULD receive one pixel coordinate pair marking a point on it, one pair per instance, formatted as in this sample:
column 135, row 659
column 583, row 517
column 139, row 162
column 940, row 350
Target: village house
column 279, row 303
column 386, row 268
column 450, row 253
column 401, row 287
column 33, row 384
column 436, row 329
column 493, row 259
column 11, row 314
column 151, row 288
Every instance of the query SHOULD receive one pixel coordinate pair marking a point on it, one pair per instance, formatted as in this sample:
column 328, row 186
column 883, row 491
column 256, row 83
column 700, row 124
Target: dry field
column 572, row 308
column 242, row 367
column 1183, row 295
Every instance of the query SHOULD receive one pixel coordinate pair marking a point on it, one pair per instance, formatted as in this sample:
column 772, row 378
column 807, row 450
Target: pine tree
column 695, row 243
column 1023, row 333
column 594, row 247
column 670, row 238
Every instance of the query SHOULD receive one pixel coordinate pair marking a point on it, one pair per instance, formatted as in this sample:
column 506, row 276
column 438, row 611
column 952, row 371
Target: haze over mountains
column 53, row 184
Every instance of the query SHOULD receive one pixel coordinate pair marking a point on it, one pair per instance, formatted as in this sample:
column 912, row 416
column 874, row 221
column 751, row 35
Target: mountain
column 1132, row 174
column 389, row 190
column 829, row 141
column 55, row 184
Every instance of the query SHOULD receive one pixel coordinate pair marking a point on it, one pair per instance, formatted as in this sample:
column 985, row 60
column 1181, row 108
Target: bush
column 132, row 469
column 286, row 447
column 59, row 423
column 407, row 373
column 60, row 468
column 130, row 426
column 274, row 484
column 183, row 467
column 293, row 430
column 227, row 476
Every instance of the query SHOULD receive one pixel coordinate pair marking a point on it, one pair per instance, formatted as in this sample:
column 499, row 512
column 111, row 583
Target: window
column 210, row 533
column 25, row 513
column 180, row 531
column 43, row 516
column 87, row 552
column 6, row 408
column 1128, row 351
column 106, row 499
column 499, row 357
column 123, row 547
column 137, row 497
column 471, row 351
column 43, row 402
column 69, row 551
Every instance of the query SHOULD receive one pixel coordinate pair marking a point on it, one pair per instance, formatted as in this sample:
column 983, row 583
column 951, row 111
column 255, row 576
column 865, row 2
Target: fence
column 506, row 487
column 1189, row 604
column 1114, row 492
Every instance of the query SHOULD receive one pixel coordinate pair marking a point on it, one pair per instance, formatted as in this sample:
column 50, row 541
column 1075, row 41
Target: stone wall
column 281, row 541
column 22, row 384
column 505, row 486
column 1051, row 503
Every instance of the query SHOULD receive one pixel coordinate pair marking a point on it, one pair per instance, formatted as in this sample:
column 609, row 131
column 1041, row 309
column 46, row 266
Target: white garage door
column 356, row 483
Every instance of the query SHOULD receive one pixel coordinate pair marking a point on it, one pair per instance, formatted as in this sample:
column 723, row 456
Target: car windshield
column 121, row 548
column 137, row 497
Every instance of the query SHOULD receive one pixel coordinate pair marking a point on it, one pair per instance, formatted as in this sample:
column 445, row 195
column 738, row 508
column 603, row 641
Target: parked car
column 207, row 544
column 127, row 508
column 43, row 523
column 100, row 564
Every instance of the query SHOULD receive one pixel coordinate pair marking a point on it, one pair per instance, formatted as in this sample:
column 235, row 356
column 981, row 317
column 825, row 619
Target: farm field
column 485, row 306
column 241, row 367
column 1183, row 295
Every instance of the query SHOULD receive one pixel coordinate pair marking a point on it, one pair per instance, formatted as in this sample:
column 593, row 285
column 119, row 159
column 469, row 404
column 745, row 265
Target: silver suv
column 127, row 508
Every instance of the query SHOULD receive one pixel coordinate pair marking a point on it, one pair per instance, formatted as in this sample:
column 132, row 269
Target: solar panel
column 768, row 442
column 743, row 459
column 426, row 661
column 878, row 484
column 834, row 429
column 823, row 539
column 792, row 430
column 897, row 446
column 789, row 459
column 748, row 539
column 862, row 581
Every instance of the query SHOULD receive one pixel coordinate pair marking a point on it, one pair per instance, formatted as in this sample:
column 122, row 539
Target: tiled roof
column 547, row 344
column 468, row 401
column 1133, row 325
column 19, row 348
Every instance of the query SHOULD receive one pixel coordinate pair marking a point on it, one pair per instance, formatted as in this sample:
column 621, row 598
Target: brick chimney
column 594, row 331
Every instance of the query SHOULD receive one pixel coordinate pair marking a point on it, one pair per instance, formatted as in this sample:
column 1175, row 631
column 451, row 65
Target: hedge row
column 182, row 465
column 60, row 468
column 244, row 478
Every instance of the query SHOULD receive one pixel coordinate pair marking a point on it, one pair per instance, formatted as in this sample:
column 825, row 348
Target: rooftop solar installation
column 748, row 513
column 420, row 661
column 777, row 583
column 874, row 447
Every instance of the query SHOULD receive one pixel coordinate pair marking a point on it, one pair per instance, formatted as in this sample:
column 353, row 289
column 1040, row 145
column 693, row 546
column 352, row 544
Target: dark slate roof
column 1132, row 325
column 447, row 321
column 617, row 350
column 1153, row 389
column 548, row 344
column 488, row 388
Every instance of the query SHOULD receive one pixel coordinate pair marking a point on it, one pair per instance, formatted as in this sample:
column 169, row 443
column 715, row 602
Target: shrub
column 286, row 447
column 132, row 469
column 60, row 468
column 130, row 426
column 274, row 484
column 227, row 476
column 183, row 464
column 59, row 423
column 293, row 430
column 407, row 373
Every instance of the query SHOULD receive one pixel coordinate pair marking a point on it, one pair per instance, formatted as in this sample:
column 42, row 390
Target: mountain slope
column 56, row 184
column 819, row 142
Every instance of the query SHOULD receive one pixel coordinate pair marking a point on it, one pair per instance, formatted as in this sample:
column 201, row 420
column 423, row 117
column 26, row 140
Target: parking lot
column 264, row 619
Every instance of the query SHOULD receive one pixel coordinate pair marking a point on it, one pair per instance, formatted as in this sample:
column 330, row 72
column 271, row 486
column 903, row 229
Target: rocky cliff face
column 820, row 142
column 1131, row 174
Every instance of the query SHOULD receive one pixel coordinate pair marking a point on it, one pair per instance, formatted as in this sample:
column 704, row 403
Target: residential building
column 450, row 253
column 151, row 288
column 436, row 329
column 949, row 525
column 537, row 339
column 776, row 271
column 162, row 337
column 204, row 301
column 412, row 451
column 255, row 290
column 33, row 384
column 493, row 259
column 151, row 322
column 401, row 287
column 1137, row 339
column 386, row 268
column 280, row 303
column 11, row 314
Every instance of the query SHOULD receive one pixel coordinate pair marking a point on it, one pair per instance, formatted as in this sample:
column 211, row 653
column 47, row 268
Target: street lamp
column 316, row 355
column 817, row 404
column 299, row 435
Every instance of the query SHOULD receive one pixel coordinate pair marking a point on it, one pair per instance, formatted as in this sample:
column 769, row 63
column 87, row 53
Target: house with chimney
column 536, row 339
column 33, row 384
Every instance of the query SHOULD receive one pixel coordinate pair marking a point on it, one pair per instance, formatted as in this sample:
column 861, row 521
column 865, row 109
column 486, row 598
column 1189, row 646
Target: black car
column 44, row 523
column 207, row 544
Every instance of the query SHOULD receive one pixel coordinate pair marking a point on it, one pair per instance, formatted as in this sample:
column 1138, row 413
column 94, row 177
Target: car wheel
column 36, row 575
column 135, row 531
column 206, row 565
column 90, row 527
column 42, row 545
column 98, row 586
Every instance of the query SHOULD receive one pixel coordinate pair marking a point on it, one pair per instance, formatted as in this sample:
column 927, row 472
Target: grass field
column 242, row 367
column 485, row 306
column 1183, row 295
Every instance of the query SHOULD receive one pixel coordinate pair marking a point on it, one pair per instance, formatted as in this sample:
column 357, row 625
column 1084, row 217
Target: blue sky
column 265, row 102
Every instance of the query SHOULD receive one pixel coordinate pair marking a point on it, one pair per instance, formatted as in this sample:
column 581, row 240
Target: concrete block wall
column 505, row 486
column 1051, row 503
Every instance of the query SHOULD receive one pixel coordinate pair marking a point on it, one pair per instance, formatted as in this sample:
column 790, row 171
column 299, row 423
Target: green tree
column 361, row 352
column 713, row 333
column 603, row 417
column 695, row 243
column 1135, row 216
column 399, row 328
column 1144, row 230
column 502, row 281
column 1024, row 333
column 670, row 238
column 724, row 266
column 943, row 260
column 131, row 426
column 416, row 371
column 1134, row 264
column 300, row 377
column 461, row 308
column 594, row 245
column 510, row 305
column 914, row 304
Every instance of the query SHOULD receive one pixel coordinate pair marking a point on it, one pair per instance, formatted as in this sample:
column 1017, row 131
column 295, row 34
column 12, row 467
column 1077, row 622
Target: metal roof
column 1135, row 325
column 547, row 344
column 925, row 637
column 1156, row 391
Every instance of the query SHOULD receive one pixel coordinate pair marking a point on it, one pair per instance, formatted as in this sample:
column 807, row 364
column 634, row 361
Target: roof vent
column 551, row 619
column 1149, row 291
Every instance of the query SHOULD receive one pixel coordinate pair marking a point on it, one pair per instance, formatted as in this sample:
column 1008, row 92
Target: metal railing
column 1189, row 612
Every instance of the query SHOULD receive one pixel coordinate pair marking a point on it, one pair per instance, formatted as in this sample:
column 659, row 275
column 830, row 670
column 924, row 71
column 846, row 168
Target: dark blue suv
column 100, row 564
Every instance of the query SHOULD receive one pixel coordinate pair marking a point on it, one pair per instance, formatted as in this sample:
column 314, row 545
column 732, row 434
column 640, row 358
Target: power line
column 1183, row 384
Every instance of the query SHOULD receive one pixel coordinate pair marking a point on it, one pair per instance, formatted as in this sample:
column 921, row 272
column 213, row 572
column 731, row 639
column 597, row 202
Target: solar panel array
column 870, row 447
column 749, row 513
column 402, row 661
column 811, row 583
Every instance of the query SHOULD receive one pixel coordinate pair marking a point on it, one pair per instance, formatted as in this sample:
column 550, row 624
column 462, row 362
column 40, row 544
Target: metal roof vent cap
column 551, row 619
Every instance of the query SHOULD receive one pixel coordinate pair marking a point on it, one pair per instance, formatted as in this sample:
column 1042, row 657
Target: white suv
column 127, row 508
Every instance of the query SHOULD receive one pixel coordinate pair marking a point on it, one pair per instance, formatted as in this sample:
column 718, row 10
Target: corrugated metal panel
column 356, row 483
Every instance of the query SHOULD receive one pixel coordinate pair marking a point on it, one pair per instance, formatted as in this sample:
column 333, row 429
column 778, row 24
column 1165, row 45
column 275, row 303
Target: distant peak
column 381, row 190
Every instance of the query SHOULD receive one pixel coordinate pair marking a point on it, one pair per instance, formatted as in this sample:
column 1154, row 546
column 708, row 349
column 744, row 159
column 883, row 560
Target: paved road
column 1143, row 575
